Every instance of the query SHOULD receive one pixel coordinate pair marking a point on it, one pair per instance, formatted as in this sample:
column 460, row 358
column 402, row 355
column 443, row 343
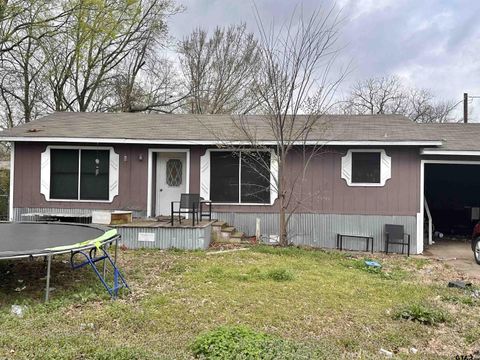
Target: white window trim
column 385, row 167
column 12, row 180
column 113, row 174
column 205, row 177
column 421, row 214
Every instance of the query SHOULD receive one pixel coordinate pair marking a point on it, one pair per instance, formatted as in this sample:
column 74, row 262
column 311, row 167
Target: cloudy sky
column 432, row 44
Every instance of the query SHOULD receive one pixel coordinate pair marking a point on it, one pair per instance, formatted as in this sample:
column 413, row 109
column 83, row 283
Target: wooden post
column 465, row 107
column 258, row 232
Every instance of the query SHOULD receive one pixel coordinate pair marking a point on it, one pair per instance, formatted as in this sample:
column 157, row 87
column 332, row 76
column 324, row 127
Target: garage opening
column 452, row 195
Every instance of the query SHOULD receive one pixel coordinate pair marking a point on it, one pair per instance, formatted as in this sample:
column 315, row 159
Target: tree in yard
column 24, row 24
column 99, row 38
column 82, row 55
column 21, row 85
column 146, row 83
column 423, row 108
column 387, row 95
column 16, row 26
column 219, row 70
column 294, row 85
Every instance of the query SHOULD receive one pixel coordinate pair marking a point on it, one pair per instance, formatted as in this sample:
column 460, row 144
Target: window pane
column 224, row 172
column 63, row 174
column 256, row 177
column 95, row 165
column 366, row 167
column 174, row 172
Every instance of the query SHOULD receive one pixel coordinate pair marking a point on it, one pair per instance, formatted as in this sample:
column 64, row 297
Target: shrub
column 280, row 275
column 422, row 314
column 229, row 342
column 241, row 342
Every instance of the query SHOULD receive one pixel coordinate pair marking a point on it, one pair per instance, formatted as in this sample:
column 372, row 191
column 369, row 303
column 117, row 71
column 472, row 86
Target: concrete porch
column 160, row 234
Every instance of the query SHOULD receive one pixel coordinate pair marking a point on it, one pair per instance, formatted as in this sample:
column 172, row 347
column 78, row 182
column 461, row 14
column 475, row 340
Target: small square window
column 366, row 167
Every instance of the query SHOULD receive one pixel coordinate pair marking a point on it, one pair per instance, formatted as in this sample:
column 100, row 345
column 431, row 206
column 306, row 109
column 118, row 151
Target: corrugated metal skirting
column 166, row 238
column 320, row 230
column 138, row 237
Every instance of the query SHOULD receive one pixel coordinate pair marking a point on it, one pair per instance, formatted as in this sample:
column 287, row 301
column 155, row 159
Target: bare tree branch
column 294, row 84
column 219, row 70
column 387, row 95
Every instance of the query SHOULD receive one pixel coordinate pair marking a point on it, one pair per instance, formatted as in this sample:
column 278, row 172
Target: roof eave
column 220, row 142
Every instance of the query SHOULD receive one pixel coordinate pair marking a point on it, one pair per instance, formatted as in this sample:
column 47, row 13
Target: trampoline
column 87, row 242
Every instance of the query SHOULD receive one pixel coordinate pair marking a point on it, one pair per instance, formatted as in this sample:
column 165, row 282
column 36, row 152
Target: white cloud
column 430, row 43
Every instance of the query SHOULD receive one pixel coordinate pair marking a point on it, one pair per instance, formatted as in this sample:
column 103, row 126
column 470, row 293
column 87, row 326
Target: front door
column 171, row 180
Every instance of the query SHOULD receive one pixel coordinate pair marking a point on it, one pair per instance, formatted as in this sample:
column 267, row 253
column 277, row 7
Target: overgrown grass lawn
column 327, row 303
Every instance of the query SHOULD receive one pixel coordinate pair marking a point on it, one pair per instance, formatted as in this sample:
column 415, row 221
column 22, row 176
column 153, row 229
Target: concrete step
column 219, row 223
column 226, row 232
column 217, row 227
column 228, row 229
column 237, row 235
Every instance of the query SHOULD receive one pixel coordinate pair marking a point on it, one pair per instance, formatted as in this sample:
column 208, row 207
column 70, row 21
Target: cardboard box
column 107, row 217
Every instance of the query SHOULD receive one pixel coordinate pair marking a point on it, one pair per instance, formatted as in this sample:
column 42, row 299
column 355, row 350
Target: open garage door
column 452, row 192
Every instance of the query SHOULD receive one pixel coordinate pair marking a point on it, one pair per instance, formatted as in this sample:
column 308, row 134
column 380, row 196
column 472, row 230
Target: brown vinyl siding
column 323, row 190
column 195, row 153
column 132, row 179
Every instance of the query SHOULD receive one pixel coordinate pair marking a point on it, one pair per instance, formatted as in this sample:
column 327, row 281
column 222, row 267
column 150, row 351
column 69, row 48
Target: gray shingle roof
column 456, row 136
column 204, row 128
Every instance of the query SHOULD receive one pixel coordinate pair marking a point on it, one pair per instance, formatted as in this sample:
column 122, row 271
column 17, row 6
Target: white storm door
column 171, row 180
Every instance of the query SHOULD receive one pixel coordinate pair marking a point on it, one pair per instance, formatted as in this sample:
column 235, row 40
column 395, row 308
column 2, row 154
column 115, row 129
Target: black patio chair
column 188, row 204
column 395, row 234
column 205, row 212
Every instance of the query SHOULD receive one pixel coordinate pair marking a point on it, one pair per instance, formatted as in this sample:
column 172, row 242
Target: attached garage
column 452, row 196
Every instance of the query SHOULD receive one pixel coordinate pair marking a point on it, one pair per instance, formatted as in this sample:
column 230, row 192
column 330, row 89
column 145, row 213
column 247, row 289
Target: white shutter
column 273, row 177
column 45, row 173
column 347, row 167
column 205, row 175
column 385, row 167
column 113, row 174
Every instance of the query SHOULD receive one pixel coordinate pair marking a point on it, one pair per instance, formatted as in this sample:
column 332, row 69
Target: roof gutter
column 219, row 142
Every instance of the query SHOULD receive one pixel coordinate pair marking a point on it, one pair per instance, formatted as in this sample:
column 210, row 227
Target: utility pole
column 465, row 107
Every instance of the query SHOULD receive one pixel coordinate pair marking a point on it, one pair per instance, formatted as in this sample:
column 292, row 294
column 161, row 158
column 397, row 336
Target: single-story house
column 372, row 171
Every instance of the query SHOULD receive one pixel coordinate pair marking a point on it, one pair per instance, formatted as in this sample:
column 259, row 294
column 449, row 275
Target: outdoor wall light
column 140, row 157
column 125, row 158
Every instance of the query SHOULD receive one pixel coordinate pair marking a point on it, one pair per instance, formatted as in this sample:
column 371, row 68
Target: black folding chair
column 188, row 204
column 395, row 234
